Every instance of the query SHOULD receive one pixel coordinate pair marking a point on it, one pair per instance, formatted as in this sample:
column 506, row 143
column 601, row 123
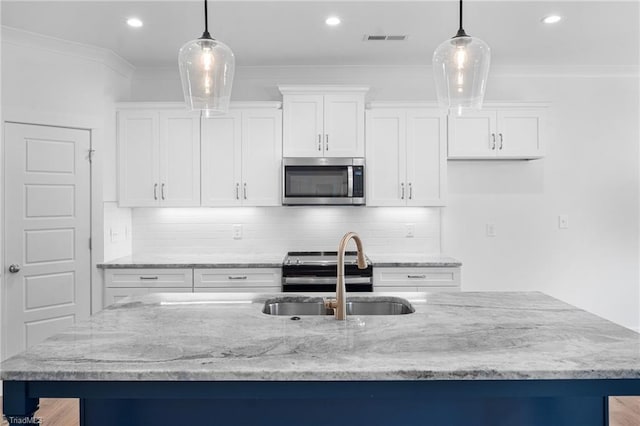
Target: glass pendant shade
column 206, row 70
column 461, row 68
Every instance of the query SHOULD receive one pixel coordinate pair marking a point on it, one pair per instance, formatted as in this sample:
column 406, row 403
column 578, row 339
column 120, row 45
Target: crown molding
column 183, row 106
column 106, row 57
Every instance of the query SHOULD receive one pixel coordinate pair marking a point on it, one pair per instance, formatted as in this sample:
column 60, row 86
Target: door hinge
column 90, row 248
column 91, row 153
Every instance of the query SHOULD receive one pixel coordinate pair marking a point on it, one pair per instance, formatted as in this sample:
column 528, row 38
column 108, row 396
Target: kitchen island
column 491, row 358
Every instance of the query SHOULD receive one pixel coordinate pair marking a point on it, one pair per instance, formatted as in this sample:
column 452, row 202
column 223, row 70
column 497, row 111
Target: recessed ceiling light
column 134, row 22
column 332, row 21
column 552, row 19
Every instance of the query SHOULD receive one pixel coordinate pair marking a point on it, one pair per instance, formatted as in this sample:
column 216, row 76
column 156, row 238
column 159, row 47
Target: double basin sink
column 299, row 305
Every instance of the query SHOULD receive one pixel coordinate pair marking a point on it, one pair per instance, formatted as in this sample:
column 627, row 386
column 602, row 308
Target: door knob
column 14, row 268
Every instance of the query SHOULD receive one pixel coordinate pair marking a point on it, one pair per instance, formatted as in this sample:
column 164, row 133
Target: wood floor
column 623, row 411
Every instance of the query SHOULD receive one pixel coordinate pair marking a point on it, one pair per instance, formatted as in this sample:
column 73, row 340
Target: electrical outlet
column 237, row 232
column 563, row 221
column 409, row 230
column 491, row 230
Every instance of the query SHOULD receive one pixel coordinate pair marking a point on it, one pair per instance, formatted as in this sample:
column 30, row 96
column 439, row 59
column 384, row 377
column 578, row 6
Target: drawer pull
column 148, row 278
column 244, row 277
column 417, row 277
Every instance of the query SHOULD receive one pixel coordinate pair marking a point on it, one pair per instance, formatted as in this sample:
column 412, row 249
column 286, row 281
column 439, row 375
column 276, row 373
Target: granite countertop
column 413, row 260
column 250, row 260
column 257, row 260
column 451, row 336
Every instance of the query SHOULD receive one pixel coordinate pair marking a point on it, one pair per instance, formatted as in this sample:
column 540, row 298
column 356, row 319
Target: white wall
column 278, row 230
column 51, row 81
column 590, row 173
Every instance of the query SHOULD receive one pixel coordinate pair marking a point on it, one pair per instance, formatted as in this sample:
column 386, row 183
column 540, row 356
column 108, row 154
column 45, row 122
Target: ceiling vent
column 384, row 37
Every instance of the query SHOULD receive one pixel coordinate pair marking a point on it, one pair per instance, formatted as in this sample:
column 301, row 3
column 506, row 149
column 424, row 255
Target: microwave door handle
column 350, row 181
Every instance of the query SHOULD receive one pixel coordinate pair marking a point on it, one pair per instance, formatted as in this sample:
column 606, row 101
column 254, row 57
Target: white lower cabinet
column 416, row 279
column 120, row 283
column 249, row 280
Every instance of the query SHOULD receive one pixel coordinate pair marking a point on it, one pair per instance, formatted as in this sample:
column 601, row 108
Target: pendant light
column 460, row 69
column 206, row 71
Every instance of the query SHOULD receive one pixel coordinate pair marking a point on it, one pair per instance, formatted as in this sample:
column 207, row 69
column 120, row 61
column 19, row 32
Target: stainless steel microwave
column 323, row 181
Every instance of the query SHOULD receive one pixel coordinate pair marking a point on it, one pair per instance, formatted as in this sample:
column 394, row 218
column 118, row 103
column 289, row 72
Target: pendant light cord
column 461, row 32
column 205, row 34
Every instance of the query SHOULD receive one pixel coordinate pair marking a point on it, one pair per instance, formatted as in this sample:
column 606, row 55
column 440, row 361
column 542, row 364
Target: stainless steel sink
column 295, row 306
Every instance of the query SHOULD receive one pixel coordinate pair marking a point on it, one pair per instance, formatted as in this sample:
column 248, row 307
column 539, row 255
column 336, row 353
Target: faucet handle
column 330, row 304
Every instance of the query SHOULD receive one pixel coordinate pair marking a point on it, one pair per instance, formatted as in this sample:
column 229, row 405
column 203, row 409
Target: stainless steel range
column 316, row 271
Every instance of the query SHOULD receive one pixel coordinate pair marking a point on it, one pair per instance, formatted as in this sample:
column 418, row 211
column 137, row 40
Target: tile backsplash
column 282, row 229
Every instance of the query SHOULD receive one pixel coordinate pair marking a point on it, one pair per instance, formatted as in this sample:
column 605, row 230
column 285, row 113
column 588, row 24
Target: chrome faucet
column 339, row 304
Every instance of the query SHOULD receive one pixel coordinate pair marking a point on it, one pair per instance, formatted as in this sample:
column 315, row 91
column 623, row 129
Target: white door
column 473, row 135
column 426, row 157
column 386, row 158
column 179, row 159
column 303, row 126
column 261, row 157
column 221, row 160
column 519, row 133
column 47, row 229
column 138, row 162
column 343, row 126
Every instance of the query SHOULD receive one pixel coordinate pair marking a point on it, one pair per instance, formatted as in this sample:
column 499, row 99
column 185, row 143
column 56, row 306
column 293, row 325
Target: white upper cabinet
column 323, row 121
column 222, row 160
column 508, row 131
column 158, row 158
column 406, row 156
column 241, row 158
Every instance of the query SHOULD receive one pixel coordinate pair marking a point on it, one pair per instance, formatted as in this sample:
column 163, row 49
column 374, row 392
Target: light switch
column 491, row 230
column 563, row 221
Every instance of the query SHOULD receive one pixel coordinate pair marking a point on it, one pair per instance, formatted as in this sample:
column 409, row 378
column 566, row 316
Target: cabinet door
column 261, row 157
column 138, row 162
column 152, row 278
column 420, row 278
column 426, row 157
column 221, row 160
column 343, row 126
column 473, row 135
column 179, row 159
column 259, row 280
column 303, row 126
column 386, row 158
column 519, row 134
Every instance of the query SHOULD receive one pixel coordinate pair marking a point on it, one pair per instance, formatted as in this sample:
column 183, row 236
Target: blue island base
column 329, row 412
column 424, row 403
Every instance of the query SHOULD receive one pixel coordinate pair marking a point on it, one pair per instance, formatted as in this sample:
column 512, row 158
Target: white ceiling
column 593, row 33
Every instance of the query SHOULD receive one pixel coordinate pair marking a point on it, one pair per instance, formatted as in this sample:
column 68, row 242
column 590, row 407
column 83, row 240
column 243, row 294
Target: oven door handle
column 350, row 181
column 326, row 280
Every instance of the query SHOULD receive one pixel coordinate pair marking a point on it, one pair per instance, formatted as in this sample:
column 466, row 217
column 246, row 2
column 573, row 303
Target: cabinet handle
column 245, row 190
column 148, row 278
column 416, row 277
column 319, row 142
column 501, row 140
column 237, row 191
column 162, row 191
column 493, row 141
column 402, row 191
column 410, row 191
column 326, row 144
column 244, row 277
column 155, row 191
